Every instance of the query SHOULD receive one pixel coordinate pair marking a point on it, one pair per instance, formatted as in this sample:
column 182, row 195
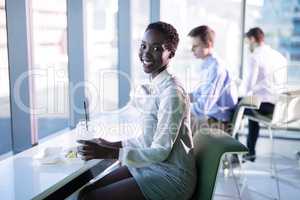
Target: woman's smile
column 147, row 63
column 153, row 55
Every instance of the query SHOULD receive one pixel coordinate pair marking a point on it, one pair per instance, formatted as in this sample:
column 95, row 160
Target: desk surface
column 22, row 177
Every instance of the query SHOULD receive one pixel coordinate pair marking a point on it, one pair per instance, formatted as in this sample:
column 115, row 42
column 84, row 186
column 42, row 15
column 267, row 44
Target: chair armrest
column 250, row 102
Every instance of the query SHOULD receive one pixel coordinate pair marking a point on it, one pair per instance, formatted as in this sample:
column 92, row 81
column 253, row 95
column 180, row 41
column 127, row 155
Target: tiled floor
column 257, row 179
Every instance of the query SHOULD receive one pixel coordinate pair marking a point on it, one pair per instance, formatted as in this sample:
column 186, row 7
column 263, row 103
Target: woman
column 159, row 164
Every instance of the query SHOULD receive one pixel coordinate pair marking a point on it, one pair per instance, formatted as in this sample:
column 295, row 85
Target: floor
column 253, row 179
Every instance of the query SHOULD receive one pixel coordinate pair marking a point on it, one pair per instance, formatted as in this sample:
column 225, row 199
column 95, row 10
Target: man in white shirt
column 266, row 75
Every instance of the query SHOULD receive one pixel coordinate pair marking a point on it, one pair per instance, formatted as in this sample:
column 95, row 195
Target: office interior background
column 110, row 46
column 48, row 50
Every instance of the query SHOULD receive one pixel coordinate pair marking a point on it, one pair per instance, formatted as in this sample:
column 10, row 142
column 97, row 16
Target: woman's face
column 153, row 53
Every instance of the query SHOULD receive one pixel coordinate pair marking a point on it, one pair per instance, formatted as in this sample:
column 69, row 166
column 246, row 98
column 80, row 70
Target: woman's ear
column 171, row 55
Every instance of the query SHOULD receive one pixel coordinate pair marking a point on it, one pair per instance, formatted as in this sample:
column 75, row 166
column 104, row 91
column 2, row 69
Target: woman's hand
column 91, row 149
column 105, row 143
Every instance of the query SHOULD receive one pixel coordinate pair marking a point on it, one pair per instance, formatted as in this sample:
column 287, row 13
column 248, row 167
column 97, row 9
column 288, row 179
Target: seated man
column 215, row 100
column 266, row 74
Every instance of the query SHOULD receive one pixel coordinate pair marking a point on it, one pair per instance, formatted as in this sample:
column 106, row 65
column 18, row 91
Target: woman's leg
column 114, row 176
column 121, row 190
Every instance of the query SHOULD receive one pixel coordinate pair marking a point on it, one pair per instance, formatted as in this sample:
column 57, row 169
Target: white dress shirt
column 266, row 74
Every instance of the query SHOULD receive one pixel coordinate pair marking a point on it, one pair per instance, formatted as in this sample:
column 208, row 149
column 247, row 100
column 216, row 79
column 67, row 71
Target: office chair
column 210, row 146
column 285, row 112
column 248, row 102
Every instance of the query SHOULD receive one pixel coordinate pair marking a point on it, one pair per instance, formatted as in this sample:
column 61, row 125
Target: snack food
column 71, row 154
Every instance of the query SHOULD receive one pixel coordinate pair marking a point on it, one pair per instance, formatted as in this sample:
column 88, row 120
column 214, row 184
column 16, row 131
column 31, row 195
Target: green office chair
column 209, row 147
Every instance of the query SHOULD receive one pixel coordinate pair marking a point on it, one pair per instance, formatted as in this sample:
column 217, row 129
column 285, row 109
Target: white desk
column 22, row 177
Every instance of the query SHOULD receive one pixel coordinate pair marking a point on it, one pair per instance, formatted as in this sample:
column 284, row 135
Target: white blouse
column 165, row 111
column 163, row 152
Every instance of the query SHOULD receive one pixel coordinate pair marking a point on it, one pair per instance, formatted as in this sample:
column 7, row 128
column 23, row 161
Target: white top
column 164, row 107
column 161, row 158
column 266, row 74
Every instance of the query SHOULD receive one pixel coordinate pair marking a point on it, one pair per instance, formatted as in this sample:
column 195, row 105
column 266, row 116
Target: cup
column 82, row 132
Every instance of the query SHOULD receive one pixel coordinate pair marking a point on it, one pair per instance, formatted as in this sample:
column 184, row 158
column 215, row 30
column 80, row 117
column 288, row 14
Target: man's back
column 217, row 96
column 266, row 73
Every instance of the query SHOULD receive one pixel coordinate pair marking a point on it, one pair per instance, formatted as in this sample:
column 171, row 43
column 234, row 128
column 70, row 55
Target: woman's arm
column 171, row 112
column 105, row 143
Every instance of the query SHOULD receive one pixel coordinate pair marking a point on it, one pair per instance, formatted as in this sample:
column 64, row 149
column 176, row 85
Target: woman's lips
column 147, row 63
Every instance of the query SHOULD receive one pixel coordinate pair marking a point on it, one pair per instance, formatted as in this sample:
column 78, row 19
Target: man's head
column 255, row 37
column 202, row 41
column 158, row 46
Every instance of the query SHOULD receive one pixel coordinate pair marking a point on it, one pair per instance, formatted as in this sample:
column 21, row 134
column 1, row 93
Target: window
column 222, row 16
column 139, row 21
column 50, row 65
column 5, row 125
column 102, row 55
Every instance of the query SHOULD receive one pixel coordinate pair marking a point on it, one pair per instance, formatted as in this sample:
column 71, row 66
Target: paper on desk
column 58, row 155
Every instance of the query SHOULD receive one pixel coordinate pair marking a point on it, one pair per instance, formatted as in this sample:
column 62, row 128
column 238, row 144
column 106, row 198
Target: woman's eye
column 143, row 46
column 156, row 48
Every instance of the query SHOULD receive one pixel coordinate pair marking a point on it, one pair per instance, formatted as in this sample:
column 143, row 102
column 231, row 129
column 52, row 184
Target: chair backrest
column 209, row 147
column 287, row 110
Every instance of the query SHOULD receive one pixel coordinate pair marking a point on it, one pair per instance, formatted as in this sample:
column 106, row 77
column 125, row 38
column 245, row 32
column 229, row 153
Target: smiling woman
column 159, row 163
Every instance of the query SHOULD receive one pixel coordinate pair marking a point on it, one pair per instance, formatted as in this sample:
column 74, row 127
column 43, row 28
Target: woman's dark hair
column 205, row 33
column 257, row 33
column 170, row 33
